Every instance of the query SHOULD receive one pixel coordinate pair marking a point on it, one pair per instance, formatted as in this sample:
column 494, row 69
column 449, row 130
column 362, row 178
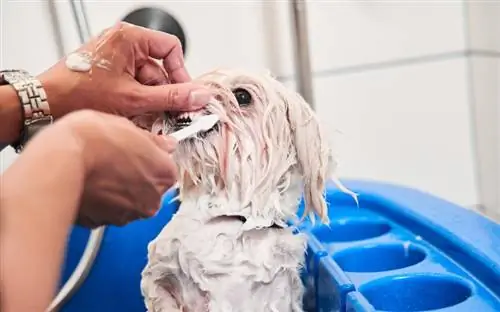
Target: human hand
column 126, row 169
column 124, row 76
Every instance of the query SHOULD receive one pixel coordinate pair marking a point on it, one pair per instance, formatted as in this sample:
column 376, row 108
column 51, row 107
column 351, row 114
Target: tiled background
column 400, row 85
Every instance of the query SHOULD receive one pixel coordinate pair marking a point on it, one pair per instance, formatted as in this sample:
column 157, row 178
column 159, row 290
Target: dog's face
column 267, row 140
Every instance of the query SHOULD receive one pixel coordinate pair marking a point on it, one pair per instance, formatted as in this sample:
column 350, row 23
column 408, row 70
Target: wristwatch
column 34, row 105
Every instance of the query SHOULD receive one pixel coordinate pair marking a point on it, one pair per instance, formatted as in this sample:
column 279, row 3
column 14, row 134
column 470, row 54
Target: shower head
column 157, row 19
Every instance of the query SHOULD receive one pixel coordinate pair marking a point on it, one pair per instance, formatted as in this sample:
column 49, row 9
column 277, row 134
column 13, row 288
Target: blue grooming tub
column 399, row 250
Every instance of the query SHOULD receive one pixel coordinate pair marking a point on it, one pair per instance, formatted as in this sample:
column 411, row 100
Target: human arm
column 94, row 168
column 10, row 116
column 39, row 198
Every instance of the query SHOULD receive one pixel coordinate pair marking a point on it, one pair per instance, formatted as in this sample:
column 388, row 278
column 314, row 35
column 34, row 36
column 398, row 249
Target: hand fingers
column 152, row 74
column 173, row 97
column 168, row 48
column 127, row 217
column 161, row 161
column 87, row 222
column 145, row 121
column 165, row 171
column 166, row 143
column 113, row 217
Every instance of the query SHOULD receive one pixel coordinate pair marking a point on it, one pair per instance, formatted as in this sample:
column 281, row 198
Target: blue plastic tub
column 400, row 250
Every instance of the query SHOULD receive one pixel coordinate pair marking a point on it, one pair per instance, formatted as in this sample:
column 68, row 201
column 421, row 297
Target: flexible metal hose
column 81, row 20
column 94, row 242
column 81, row 271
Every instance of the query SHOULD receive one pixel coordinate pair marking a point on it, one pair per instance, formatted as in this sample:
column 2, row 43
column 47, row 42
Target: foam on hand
column 204, row 123
column 79, row 61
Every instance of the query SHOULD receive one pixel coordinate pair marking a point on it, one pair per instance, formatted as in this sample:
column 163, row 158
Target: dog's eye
column 243, row 97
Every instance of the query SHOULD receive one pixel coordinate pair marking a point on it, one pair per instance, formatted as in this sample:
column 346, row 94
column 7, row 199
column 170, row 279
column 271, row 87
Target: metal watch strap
column 34, row 105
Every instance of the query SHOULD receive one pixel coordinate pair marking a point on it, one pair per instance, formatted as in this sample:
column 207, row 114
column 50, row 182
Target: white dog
column 228, row 248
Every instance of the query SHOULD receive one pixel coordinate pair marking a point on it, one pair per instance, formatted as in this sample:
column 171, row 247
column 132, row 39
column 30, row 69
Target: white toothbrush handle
column 202, row 124
column 183, row 133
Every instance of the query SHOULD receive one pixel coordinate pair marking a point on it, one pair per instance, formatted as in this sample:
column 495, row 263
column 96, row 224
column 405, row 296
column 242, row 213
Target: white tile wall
column 349, row 33
column 26, row 36
column 407, row 125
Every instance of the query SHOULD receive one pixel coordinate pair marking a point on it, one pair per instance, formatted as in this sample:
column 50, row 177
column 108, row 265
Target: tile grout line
column 469, row 80
column 391, row 64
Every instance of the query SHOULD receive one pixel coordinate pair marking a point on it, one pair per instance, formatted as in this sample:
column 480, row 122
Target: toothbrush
column 204, row 123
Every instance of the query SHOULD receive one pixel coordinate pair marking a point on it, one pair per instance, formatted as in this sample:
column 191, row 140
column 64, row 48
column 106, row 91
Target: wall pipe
column 96, row 236
column 301, row 50
column 81, row 20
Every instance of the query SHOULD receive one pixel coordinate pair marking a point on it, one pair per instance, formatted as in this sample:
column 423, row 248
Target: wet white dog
column 228, row 249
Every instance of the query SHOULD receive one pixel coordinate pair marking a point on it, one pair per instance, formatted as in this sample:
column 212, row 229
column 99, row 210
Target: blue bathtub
column 399, row 250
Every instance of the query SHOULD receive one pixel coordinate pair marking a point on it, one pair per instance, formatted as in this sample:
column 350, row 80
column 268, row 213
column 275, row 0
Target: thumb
column 172, row 97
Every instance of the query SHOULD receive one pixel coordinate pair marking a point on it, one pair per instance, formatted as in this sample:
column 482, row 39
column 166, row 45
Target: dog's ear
column 314, row 156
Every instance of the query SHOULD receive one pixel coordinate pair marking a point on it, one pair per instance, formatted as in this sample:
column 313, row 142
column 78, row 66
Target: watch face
column 12, row 76
column 31, row 127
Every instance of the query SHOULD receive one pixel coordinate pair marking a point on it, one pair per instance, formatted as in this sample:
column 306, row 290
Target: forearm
column 10, row 116
column 39, row 196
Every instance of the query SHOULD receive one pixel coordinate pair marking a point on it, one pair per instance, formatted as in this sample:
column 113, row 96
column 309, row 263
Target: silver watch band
column 34, row 105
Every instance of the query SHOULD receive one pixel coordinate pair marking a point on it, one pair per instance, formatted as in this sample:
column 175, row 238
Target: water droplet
column 406, row 246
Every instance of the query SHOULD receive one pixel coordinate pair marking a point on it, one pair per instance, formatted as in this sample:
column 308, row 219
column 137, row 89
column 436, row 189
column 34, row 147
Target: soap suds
column 79, row 61
column 82, row 62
